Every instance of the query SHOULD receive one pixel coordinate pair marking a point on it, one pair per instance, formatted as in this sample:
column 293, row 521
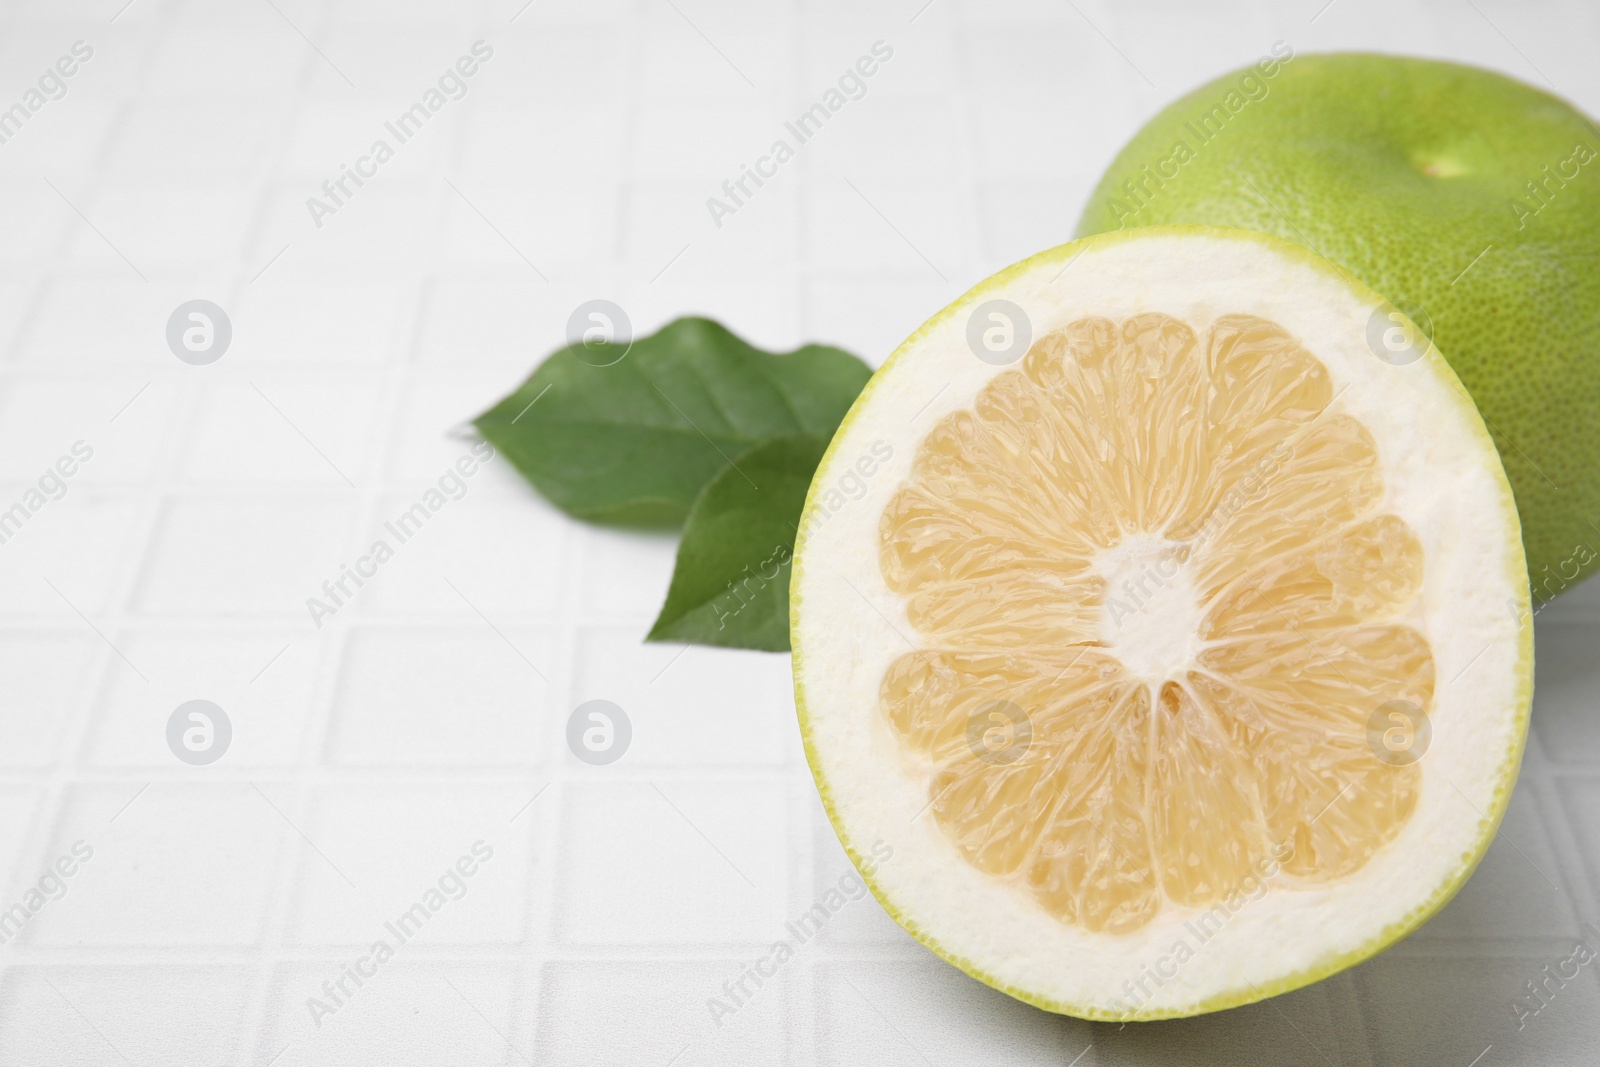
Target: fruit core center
column 1150, row 617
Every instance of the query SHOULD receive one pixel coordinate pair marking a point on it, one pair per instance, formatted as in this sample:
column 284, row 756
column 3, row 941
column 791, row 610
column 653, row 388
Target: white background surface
column 371, row 753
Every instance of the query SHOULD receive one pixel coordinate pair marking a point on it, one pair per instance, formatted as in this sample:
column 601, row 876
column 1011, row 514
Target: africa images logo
column 851, row 85
column 1204, row 127
column 451, row 85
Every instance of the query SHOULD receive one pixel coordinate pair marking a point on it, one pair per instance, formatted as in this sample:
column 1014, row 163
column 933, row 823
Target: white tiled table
column 372, row 753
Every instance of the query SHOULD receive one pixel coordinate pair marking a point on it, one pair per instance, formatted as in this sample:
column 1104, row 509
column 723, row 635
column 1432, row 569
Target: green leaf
column 634, row 443
column 730, row 586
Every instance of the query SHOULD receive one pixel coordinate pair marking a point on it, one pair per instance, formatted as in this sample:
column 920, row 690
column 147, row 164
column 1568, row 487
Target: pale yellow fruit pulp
column 1154, row 544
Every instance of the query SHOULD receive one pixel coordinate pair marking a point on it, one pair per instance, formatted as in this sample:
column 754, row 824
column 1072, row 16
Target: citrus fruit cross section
column 1159, row 600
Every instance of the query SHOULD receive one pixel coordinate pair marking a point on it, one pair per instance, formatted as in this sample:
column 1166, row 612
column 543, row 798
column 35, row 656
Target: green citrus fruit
column 1151, row 642
column 1470, row 200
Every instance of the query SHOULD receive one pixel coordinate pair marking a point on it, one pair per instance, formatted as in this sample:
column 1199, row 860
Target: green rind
column 1330, row 965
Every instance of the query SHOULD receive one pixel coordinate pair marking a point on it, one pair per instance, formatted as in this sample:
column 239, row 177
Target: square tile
column 116, row 1013
column 1047, row 56
column 265, row 680
column 123, row 422
column 652, row 1011
column 589, row 135
column 626, row 573
column 41, row 222
column 937, row 1012
column 1566, row 691
column 715, row 862
column 160, row 138
column 433, row 428
column 126, row 324
column 1579, row 603
column 878, row 225
column 1007, row 144
column 870, row 314
column 178, row 864
column 1020, row 217
column 406, row 1010
column 892, row 143
column 668, row 231
column 71, row 138
column 320, row 137
column 22, row 868
column 395, row 61
column 98, row 76
column 261, row 64
column 388, row 220
column 713, row 138
column 690, row 705
column 159, row 225
column 918, row 63
column 16, row 304
column 300, row 311
column 69, row 554
column 44, row 678
column 448, row 847
column 247, row 554
column 301, row 429
column 480, row 552
column 1310, row 1025
column 491, row 316
column 468, row 695
column 1580, row 804
column 555, row 225
column 1451, row 1009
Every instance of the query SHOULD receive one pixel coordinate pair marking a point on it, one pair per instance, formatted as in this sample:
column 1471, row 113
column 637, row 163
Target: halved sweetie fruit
column 1179, row 653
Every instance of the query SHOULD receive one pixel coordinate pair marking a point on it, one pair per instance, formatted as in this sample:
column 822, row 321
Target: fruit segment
column 1160, row 604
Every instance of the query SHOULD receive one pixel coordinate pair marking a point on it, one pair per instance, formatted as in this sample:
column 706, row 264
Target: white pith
column 1151, row 616
column 1442, row 477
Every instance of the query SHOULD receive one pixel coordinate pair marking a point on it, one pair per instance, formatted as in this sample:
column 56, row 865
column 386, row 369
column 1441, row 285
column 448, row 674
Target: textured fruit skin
column 1404, row 171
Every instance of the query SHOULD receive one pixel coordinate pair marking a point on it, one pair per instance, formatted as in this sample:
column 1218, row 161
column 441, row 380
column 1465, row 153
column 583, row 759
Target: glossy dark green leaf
column 630, row 435
column 730, row 585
